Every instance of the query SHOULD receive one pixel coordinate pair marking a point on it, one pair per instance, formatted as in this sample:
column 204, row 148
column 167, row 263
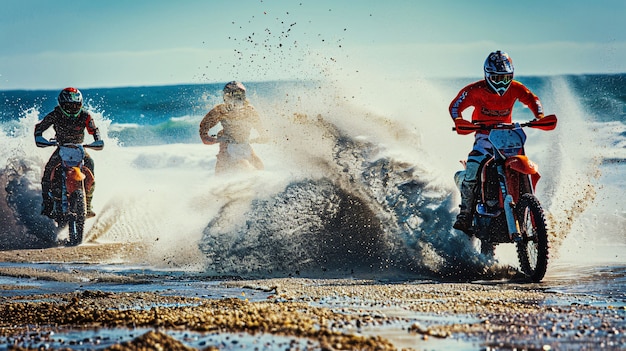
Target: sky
column 110, row 43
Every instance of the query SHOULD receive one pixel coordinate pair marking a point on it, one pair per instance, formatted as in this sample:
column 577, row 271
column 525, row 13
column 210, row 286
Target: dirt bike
column 507, row 210
column 235, row 156
column 70, row 181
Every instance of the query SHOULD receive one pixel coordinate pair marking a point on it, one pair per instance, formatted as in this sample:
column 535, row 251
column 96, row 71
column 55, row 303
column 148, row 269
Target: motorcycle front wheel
column 76, row 217
column 532, row 249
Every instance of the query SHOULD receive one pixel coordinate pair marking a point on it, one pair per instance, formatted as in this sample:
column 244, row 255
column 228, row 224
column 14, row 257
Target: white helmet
column 499, row 71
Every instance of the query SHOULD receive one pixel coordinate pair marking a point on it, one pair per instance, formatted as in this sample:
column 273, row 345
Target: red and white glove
column 464, row 127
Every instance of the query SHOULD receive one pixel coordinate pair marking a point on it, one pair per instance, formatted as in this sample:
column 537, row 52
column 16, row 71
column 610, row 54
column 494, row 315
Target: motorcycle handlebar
column 223, row 139
column 96, row 145
column 547, row 123
column 42, row 142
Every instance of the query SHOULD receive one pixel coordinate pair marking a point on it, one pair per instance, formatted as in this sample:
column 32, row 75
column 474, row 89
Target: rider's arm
column 44, row 124
column 462, row 101
column 209, row 121
column 457, row 105
column 258, row 126
column 529, row 99
column 91, row 127
column 41, row 127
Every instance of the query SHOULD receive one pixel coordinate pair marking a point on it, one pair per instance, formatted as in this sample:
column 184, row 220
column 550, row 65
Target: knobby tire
column 533, row 249
column 76, row 222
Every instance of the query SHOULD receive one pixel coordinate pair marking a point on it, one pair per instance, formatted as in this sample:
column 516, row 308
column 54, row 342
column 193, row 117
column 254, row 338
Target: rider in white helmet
column 493, row 99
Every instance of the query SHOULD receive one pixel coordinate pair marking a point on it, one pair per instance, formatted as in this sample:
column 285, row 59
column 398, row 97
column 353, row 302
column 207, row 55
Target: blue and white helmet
column 499, row 71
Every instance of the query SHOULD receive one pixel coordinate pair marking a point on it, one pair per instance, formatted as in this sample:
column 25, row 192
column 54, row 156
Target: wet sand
column 329, row 314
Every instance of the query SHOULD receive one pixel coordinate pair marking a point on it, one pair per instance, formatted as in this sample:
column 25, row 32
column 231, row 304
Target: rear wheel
column 532, row 249
column 76, row 217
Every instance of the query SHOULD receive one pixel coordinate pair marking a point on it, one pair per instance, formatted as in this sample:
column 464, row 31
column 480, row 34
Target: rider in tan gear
column 237, row 117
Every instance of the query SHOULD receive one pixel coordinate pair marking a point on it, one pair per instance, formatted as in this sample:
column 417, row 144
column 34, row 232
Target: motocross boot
column 47, row 204
column 89, row 213
column 464, row 218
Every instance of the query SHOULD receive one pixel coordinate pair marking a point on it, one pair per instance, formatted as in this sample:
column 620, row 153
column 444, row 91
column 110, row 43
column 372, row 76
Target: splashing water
column 354, row 184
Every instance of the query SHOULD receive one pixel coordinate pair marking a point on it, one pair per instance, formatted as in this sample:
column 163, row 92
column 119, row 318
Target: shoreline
column 334, row 314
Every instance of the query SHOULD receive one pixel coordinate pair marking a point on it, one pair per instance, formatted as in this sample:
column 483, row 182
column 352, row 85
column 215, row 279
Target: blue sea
column 334, row 138
column 350, row 168
column 358, row 183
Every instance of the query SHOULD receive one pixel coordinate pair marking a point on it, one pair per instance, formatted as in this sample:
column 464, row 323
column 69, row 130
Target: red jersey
column 490, row 107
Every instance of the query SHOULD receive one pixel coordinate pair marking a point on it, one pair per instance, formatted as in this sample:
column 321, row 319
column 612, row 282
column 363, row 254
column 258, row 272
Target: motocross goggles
column 71, row 109
column 499, row 82
column 237, row 94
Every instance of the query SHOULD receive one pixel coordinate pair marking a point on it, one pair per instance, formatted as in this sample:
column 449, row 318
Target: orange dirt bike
column 507, row 210
column 70, row 181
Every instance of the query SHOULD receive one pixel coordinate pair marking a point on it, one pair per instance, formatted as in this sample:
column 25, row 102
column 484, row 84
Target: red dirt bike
column 507, row 210
column 70, row 181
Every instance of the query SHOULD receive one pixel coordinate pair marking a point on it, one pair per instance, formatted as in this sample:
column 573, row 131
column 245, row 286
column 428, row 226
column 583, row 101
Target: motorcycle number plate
column 507, row 141
column 71, row 156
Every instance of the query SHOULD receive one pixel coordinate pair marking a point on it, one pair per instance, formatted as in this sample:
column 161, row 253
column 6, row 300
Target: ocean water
column 357, row 180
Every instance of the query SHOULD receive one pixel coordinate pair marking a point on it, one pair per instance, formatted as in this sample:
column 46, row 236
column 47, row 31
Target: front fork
column 508, row 205
column 72, row 180
column 65, row 203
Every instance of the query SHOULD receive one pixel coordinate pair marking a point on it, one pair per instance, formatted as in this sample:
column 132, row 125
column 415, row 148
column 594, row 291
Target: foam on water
column 347, row 131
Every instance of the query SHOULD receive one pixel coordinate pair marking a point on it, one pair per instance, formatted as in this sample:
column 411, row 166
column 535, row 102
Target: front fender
column 522, row 164
column 74, row 179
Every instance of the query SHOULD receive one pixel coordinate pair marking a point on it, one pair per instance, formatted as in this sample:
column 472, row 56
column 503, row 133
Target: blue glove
column 40, row 141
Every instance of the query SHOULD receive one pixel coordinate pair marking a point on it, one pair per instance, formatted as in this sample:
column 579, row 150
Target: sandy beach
column 311, row 314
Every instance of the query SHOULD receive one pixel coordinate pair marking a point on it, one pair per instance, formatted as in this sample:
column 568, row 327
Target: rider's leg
column 256, row 161
column 47, row 203
column 46, row 200
column 468, row 192
column 222, row 160
column 90, row 190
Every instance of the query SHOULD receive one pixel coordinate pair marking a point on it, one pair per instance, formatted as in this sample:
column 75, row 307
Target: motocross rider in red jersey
column 69, row 121
column 492, row 99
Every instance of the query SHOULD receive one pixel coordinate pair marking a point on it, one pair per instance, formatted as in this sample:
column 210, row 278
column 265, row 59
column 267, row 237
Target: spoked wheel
column 76, row 218
column 532, row 250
